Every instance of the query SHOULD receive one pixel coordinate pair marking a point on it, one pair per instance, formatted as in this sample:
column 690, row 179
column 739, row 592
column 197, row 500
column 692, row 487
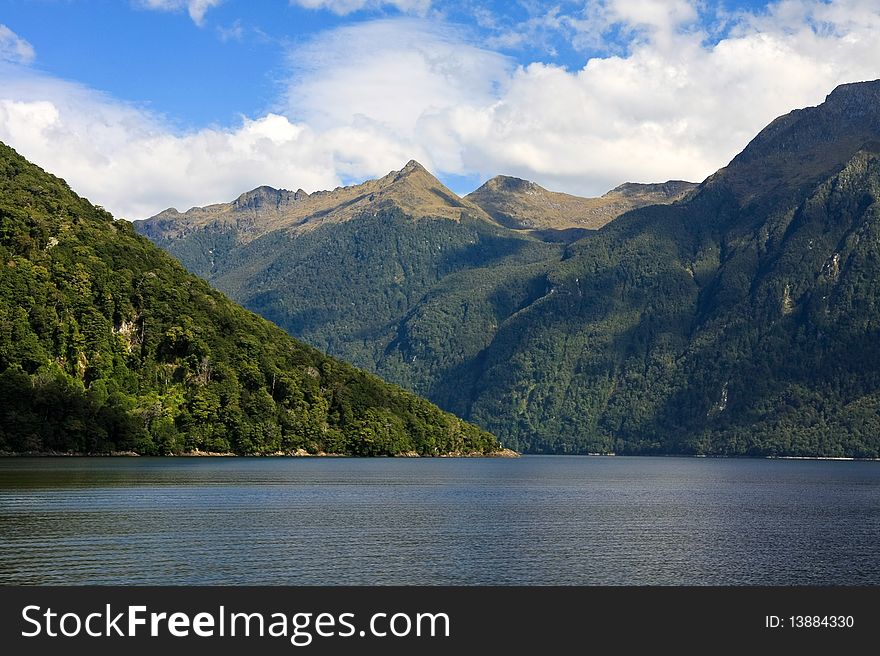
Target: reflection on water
column 534, row 520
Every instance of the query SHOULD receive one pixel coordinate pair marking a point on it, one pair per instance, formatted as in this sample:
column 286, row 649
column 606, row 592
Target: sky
column 147, row 104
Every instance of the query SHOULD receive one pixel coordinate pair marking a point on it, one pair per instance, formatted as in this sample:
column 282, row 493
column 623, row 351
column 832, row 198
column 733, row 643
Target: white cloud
column 345, row 7
column 196, row 8
column 657, row 15
column 587, row 28
column 533, row 31
column 386, row 80
column 234, row 32
column 13, row 48
column 126, row 159
column 364, row 99
column 672, row 106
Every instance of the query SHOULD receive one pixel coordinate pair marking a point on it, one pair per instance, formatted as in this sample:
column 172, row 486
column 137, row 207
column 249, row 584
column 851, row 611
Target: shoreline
column 503, row 453
column 299, row 453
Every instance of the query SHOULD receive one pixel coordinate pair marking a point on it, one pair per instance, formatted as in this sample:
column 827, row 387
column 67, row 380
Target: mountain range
column 398, row 275
column 737, row 316
column 107, row 344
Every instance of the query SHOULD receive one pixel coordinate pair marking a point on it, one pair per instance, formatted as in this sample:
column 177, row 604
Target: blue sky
column 151, row 103
column 234, row 60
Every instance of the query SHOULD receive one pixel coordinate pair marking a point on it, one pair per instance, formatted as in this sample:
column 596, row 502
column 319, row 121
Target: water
column 533, row 520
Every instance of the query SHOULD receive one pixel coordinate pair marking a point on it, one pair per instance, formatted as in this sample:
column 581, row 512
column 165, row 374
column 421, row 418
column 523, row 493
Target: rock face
column 264, row 199
column 521, row 204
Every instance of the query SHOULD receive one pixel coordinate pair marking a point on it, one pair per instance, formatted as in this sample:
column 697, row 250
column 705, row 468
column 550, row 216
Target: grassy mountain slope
column 108, row 344
column 521, row 204
column 412, row 190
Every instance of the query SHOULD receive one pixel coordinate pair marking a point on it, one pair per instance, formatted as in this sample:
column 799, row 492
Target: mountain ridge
column 521, row 204
column 502, row 200
column 801, row 148
column 265, row 209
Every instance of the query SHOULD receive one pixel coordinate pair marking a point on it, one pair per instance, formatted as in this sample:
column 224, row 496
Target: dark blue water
column 533, row 520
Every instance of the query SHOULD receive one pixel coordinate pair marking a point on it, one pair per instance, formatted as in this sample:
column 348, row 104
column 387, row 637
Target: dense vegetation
column 107, row 344
column 412, row 300
column 743, row 320
column 681, row 331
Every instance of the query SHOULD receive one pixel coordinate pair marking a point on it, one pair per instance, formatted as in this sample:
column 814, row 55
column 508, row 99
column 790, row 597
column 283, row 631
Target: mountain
column 739, row 320
column 397, row 275
column 367, row 272
column 521, row 204
column 107, row 344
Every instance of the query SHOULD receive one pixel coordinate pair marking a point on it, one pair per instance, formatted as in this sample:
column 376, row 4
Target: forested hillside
column 107, row 344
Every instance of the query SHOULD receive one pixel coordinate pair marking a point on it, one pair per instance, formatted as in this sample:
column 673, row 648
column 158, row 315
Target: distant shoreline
column 709, row 455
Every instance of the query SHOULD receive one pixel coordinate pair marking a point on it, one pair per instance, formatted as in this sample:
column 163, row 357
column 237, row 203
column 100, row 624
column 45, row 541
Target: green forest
column 107, row 344
column 408, row 299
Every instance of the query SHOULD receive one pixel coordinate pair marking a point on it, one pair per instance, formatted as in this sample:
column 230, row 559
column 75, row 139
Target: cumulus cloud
column 674, row 105
column 388, row 81
column 345, row 7
column 196, row 8
column 363, row 99
column 13, row 48
column 656, row 15
column 128, row 160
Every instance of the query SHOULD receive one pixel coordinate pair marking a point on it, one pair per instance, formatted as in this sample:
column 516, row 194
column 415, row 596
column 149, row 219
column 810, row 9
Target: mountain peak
column 672, row 189
column 412, row 169
column 412, row 166
column 509, row 183
column 856, row 97
column 262, row 196
column 806, row 146
column 419, row 193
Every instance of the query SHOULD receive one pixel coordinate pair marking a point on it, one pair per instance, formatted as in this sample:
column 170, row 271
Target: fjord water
column 533, row 520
